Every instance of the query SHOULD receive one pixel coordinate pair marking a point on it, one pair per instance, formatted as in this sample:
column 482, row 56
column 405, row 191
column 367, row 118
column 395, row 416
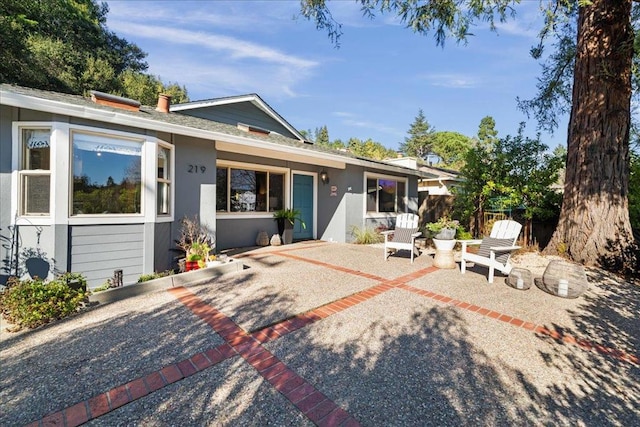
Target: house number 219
column 197, row 168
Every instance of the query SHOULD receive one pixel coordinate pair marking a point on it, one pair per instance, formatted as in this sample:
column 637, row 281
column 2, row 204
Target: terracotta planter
column 191, row 265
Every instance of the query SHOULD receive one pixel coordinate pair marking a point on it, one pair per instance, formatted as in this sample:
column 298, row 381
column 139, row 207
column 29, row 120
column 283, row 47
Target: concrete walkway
column 330, row 334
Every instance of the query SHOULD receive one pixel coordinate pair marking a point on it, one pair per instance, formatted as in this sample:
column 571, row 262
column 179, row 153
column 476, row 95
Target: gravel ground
column 396, row 359
column 231, row 393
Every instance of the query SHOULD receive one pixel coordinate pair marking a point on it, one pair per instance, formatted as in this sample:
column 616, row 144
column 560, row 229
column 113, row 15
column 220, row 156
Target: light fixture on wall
column 324, row 176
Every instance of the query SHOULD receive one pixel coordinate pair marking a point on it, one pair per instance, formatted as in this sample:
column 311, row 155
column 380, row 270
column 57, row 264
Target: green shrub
column 31, row 303
column 101, row 288
column 365, row 236
column 156, row 275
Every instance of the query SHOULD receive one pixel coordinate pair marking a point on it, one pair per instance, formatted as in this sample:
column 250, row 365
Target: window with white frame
column 106, row 174
column 35, row 171
column 386, row 195
column 244, row 189
column 163, row 180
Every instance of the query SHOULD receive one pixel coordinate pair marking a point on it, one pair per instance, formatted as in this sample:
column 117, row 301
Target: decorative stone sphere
column 519, row 278
column 275, row 240
column 563, row 279
column 262, row 239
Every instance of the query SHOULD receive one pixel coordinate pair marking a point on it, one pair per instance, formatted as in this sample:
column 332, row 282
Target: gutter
column 65, row 108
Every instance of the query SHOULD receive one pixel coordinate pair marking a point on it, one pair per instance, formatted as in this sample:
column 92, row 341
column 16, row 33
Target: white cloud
column 236, row 48
column 454, row 81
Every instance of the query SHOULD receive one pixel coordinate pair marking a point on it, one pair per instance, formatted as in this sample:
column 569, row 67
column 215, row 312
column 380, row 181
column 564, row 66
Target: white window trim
column 255, row 167
column 172, row 181
column 383, row 215
column 146, row 215
column 16, row 175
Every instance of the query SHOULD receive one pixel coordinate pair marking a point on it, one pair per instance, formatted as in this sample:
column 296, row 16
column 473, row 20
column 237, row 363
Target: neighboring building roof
column 251, row 97
column 434, row 173
column 223, row 134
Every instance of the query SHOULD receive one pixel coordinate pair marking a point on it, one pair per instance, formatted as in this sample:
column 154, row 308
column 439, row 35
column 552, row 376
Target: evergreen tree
column 322, row 136
column 420, row 141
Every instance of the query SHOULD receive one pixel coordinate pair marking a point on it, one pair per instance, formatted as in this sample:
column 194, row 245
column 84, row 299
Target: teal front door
column 303, row 201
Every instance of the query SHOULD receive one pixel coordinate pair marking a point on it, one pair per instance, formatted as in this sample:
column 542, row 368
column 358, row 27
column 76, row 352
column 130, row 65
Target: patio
column 329, row 334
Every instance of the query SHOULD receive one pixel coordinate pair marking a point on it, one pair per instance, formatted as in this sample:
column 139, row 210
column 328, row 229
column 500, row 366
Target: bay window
column 106, row 174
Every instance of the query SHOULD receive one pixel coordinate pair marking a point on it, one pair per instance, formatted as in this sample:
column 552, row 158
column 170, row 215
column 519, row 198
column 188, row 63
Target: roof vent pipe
column 164, row 101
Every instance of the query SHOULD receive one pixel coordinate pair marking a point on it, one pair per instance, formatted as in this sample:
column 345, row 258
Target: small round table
column 444, row 253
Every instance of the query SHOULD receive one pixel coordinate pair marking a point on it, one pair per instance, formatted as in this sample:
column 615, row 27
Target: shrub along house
column 98, row 185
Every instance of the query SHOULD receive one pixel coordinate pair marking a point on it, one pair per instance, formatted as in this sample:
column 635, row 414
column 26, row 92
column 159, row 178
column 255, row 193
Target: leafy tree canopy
column 450, row 147
column 370, row 149
column 592, row 72
column 65, row 46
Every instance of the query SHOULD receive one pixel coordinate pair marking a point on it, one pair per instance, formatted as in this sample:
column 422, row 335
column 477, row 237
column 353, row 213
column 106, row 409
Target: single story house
column 94, row 185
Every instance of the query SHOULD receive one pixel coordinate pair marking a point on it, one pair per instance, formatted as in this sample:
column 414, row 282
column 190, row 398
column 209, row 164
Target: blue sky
column 371, row 87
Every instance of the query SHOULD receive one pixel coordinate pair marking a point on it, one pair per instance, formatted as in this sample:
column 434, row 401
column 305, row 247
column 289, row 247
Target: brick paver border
column 248, row 345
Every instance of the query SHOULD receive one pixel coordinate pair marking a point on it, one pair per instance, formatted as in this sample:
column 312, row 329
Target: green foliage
column 451, row 148
column 66, row 46
column 101, row 288
column 365, row 235
column 146, row 87
column 444, row 18
column 518, row 170
column 420, row 141
column 322, row 136
column 291, row 215
column 487, row 133
column 155, row 275
column 199, row 251
column 444, row 222
column 31, row 303
column 370, row 149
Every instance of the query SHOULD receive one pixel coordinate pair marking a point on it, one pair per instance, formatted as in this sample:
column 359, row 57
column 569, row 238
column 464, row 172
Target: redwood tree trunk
column 594, row 227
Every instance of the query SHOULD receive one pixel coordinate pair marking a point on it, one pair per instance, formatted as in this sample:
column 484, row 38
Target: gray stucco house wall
column 141, row 242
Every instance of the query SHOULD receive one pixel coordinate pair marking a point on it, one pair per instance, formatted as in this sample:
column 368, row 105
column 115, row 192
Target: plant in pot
column 443, row 229
column 198, row 256
column 286, row 218
column 196, row 243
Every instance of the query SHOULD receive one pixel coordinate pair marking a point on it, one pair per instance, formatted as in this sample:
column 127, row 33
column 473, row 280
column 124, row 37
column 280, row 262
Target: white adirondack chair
column 404, row 235
column 495, row 250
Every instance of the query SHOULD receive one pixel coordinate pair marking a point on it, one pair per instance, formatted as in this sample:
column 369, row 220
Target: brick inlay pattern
column 518, row 323
column 296, row 389
column 123, row 394
column 311, row 402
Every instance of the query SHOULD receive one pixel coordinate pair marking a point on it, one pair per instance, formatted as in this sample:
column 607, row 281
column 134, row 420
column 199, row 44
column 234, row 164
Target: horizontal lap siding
column 98, row 250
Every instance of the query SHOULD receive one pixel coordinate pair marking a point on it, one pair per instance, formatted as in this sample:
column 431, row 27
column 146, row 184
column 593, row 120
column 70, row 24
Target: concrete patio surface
column 319, row 333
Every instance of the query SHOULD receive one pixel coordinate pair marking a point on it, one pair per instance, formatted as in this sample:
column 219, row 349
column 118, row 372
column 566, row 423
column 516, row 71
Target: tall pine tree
column 420, row 140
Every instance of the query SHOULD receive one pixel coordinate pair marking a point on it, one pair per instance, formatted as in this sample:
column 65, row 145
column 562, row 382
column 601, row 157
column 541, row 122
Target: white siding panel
column 97, row 250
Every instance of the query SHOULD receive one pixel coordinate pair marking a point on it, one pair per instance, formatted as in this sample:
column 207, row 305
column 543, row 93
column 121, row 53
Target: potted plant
column 195, row 242
column 443, row 229
column 286, row 218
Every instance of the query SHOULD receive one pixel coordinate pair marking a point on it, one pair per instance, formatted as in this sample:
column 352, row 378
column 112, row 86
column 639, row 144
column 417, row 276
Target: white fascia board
column 63, row 108
column 211, row 102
